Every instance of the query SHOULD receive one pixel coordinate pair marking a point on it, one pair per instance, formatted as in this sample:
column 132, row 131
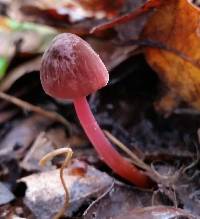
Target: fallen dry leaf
column 118, row 201
column 5, row 194
column 111, row 54
column 174, row 33
column 125, row 202
column 41, row 146
column 157, row 212
column 172, row 48
column 45, row 194
column 22, row 135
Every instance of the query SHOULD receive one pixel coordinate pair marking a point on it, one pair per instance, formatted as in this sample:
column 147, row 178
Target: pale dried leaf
column 45, row 194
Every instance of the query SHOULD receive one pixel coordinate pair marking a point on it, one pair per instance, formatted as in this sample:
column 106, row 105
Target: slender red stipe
column 104, row 148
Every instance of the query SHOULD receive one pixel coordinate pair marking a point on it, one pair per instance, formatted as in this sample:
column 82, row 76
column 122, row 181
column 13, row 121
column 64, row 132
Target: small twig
column 30, row 107
column 134, row 158
column 150, row 170
column 68, row 153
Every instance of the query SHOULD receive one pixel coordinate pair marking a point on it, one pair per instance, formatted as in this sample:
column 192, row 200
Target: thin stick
column 150, row 170
column 68, row 153
column 30, row 107
column 135, row 159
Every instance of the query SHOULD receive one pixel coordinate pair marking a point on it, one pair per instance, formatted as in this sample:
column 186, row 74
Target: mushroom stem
column 104, row 148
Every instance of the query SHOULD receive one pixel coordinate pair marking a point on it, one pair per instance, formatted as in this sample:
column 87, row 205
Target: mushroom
column 70, row 69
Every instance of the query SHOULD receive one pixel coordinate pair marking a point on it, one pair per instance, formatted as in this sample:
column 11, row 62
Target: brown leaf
column 173, row 33
column 111, row 54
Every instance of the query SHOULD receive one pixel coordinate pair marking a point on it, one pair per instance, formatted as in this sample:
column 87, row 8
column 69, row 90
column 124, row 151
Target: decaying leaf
column 117, row 201
column 23, row 38
column 5, row 194
column 157, row 212
column 45, row 194
column 130, row 203
column 41, row 146
column 174, row 33
column 22, row 135
column 172, row 48
column 111, row 54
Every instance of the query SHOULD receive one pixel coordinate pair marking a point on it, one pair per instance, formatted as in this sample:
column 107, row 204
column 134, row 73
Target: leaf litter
column 132, row 208
column 127, row 108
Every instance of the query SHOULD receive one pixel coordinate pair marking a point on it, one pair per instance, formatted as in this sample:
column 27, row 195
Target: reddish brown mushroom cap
column 71, row 69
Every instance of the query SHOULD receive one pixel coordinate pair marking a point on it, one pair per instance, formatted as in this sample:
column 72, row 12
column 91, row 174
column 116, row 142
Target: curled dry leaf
column 40, row 147
column 173, row 33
